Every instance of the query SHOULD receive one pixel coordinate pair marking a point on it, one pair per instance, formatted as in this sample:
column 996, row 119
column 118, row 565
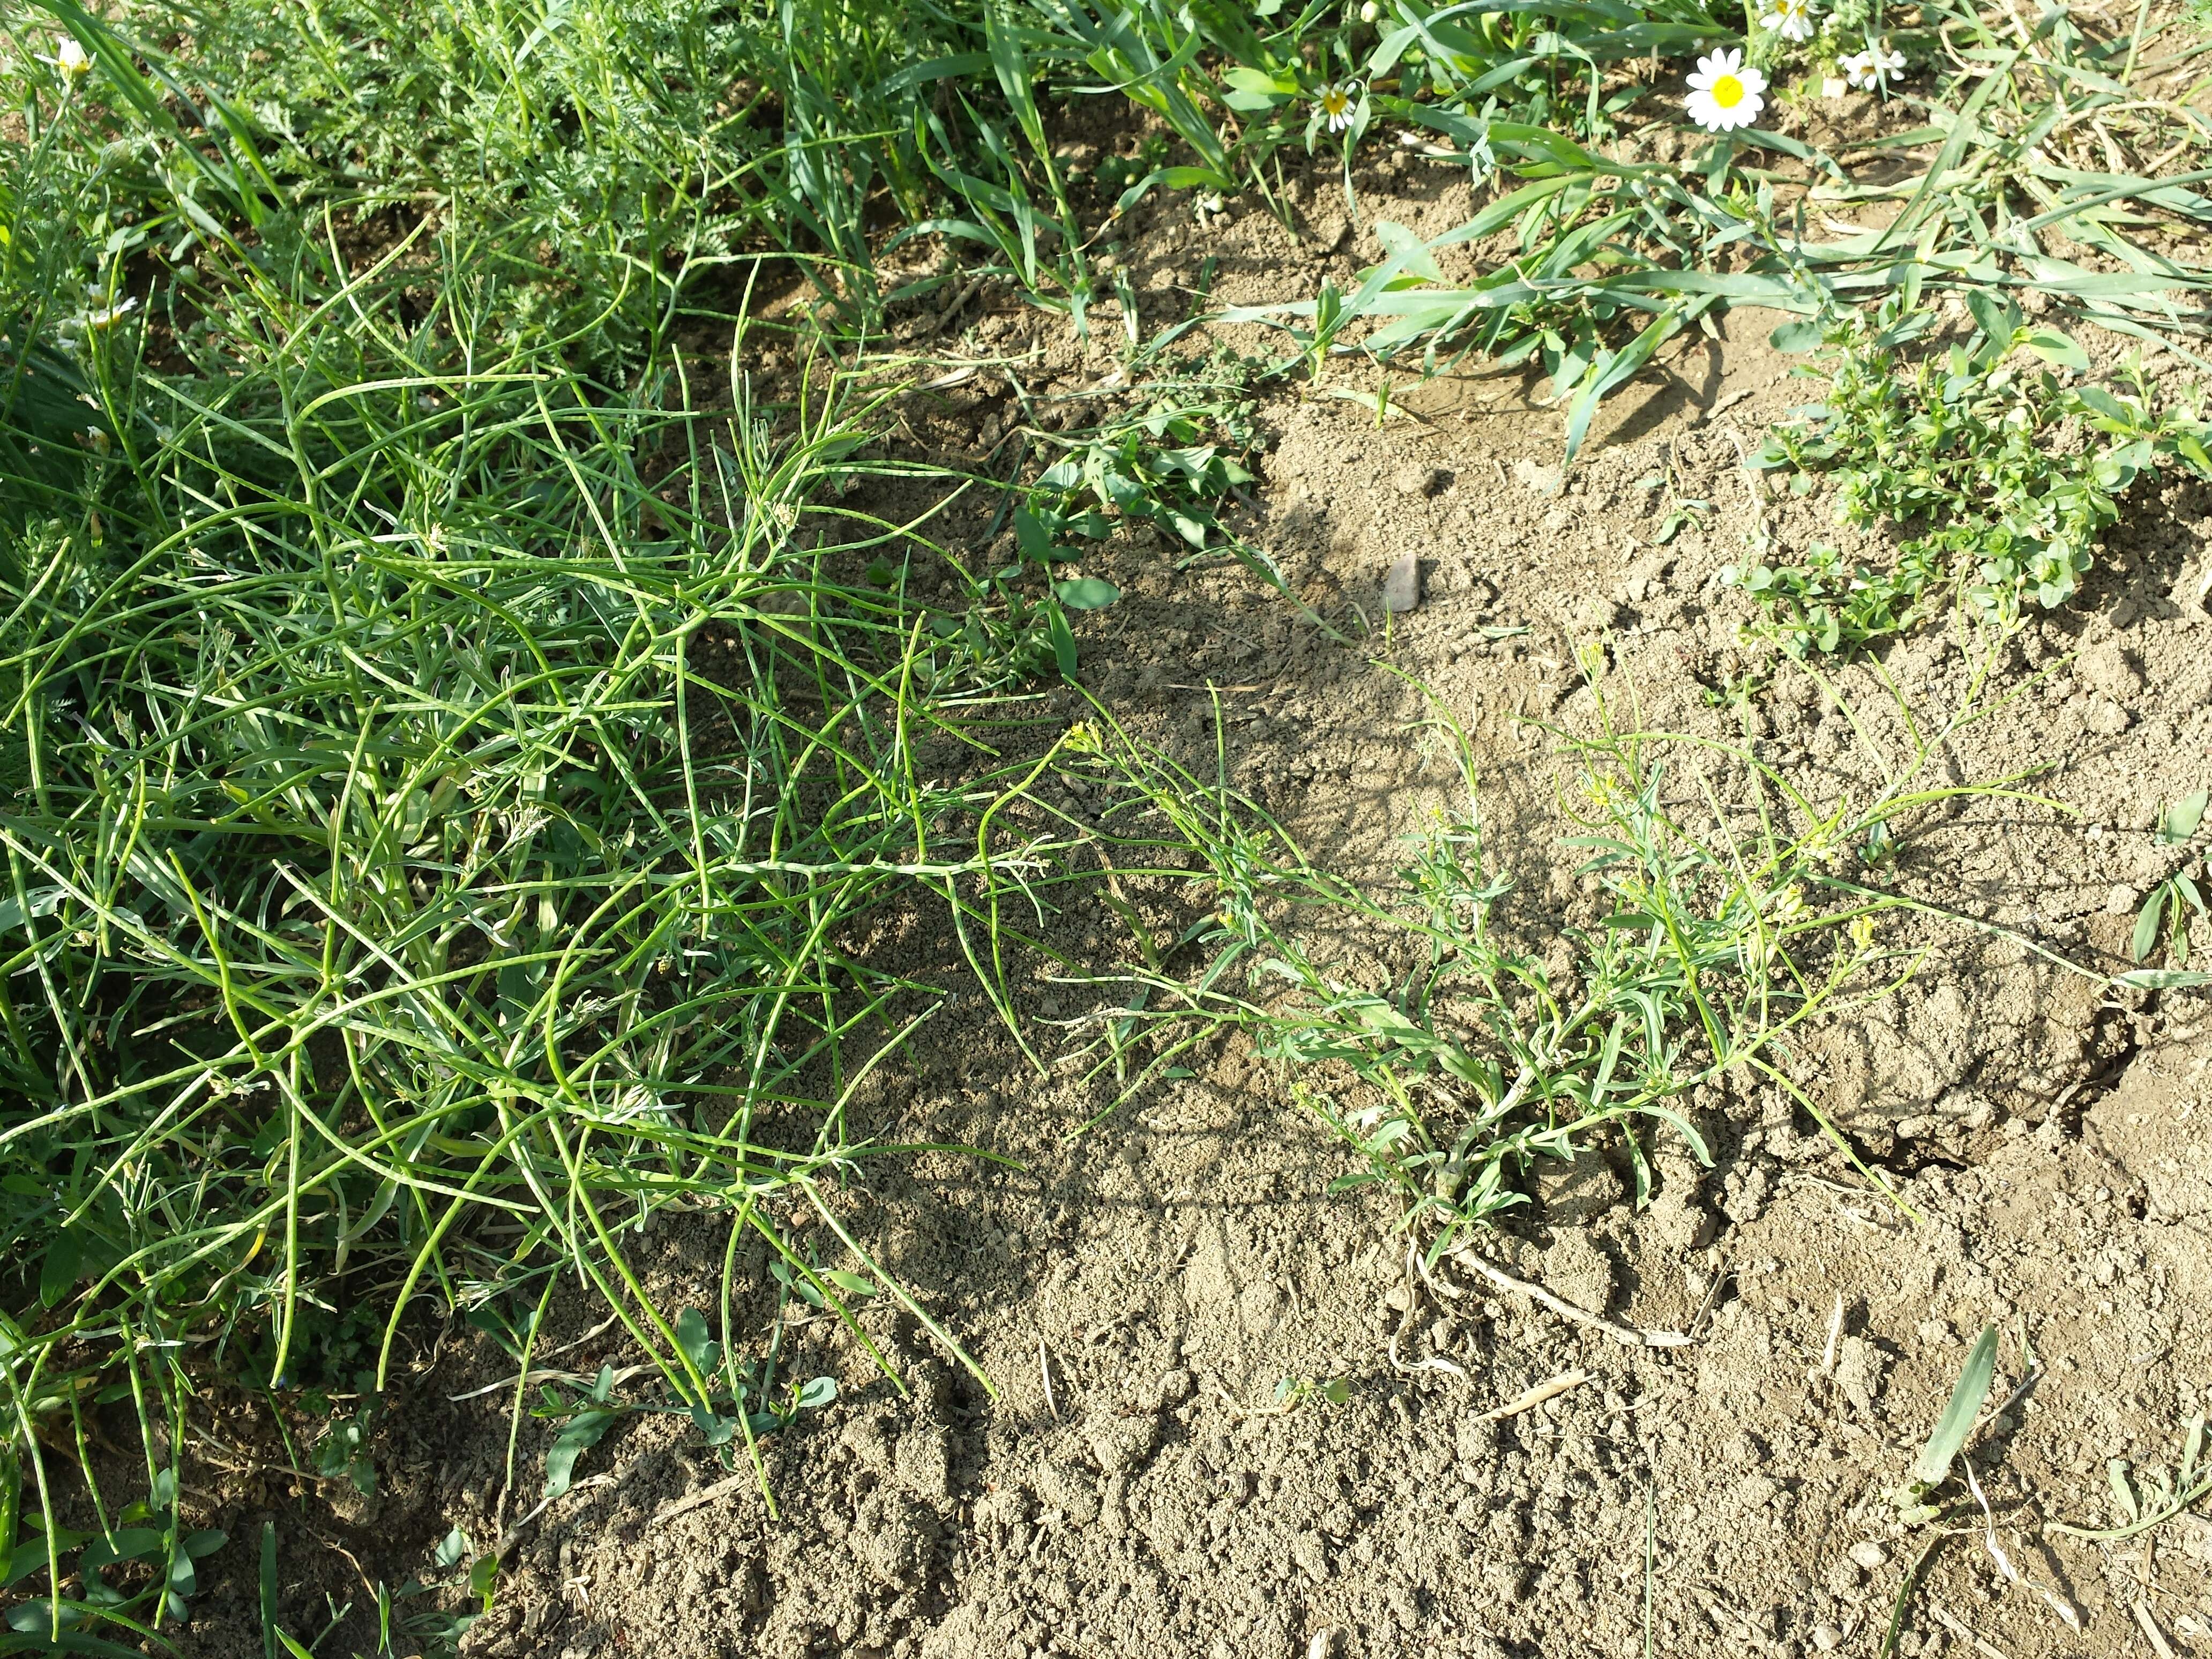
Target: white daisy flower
column 108, row 316
column 1869, row 69
column 1793, row 18
column 69, row 58
column 1336, row 101
column 1725, row 93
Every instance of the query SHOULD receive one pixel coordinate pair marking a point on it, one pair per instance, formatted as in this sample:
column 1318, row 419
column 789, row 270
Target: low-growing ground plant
column 2165, row 916
column 1724, row 919
column 2001, row 463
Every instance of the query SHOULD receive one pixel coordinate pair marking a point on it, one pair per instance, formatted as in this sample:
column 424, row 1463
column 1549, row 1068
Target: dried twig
column 1957, row 1626
column 2152, row 1633
column 704, row 1496
column 1550, row 1389
column 1632, row 1335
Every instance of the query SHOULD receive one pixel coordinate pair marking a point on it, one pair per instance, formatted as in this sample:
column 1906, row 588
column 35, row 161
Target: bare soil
column 1135, row 1294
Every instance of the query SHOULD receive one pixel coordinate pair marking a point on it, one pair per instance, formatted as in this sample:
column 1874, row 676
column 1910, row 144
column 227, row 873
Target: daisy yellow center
column 1335, row 100
column 1728, row 92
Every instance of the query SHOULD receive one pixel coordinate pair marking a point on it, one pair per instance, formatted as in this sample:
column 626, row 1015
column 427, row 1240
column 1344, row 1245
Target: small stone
column 1402, row 585
column 2107, row 719
column 1743, row 1193
column 1827, row 1637
column 1119, row 1443
column 2121, row 900
column 1175, row 1386
column 1869, row 1555
column 1414, row 479
column 1859, row 1368
column 1674, row 1222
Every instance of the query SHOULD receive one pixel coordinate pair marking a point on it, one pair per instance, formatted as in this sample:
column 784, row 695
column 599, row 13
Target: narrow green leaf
column 2053, row 347
column 1933, row 1466
column 58, row 1274
column 269, row 1631
column 1063, row 643
column 2123, row 1492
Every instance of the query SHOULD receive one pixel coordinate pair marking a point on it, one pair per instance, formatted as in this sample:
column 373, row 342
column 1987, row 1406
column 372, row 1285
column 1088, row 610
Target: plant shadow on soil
column 1136, row 1294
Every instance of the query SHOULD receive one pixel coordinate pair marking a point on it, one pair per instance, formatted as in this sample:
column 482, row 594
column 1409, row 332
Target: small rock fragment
column 1402, row 586
column 1827, row 1637
column 2107, row 719
column 1870, row 1555
column 1859, row 1368
column 1415, row 479
column 1744, row 1191
column 1674, row 1222
column 2121, row 900
column 1119, row 1443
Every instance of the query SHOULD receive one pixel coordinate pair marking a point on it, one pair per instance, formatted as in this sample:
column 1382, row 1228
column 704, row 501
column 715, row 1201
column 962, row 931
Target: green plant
column 1932, row 1467
column 2167, row 1495
column 1705, row 949
column 451, row 773
column 2163, row 912
column 1931, row 1471
column 2011, row 473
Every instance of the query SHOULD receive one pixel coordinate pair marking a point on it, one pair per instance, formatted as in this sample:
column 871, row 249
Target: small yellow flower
column 70, row 58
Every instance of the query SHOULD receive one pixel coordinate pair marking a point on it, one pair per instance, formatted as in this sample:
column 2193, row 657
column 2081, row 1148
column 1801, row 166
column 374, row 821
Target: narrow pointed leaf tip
column 1950, row 1437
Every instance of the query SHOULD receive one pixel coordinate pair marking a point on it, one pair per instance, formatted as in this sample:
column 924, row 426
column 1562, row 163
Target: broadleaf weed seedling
column 2163, row 914
column 2011, row 472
